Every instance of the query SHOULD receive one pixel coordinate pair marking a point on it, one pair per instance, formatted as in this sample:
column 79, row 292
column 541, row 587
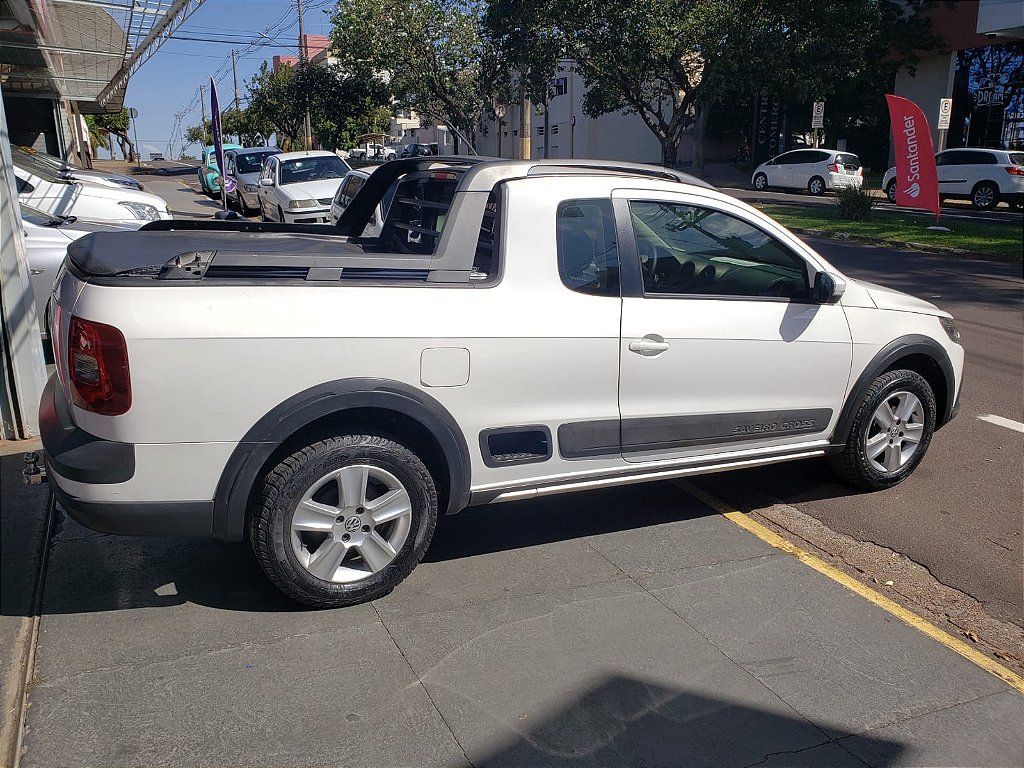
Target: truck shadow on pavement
column 625, row 721
column 94, row 572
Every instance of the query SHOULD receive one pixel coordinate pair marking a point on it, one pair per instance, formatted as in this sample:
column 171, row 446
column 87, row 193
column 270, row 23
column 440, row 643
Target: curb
column 922, row 247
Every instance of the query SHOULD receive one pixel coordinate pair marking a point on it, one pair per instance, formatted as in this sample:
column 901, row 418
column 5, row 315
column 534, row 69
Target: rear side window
column 588, row 255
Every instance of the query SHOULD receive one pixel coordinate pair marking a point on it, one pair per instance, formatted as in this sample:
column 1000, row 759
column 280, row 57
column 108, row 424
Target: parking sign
column 945, row 110
column 818, row 115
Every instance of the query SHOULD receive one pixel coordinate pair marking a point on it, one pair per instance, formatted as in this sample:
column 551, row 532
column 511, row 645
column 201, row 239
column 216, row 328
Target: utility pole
column 303, row 59
column 234, row 74
column 202, row 105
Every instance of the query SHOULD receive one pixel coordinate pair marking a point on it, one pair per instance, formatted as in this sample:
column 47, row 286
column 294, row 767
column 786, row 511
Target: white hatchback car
column 815, row 170
column 983, row 176
column 298, row 187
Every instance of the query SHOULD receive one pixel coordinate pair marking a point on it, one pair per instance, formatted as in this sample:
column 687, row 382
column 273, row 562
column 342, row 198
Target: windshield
column 315, row 168
column 41, row 218
column 251, row 162
column 37, row 167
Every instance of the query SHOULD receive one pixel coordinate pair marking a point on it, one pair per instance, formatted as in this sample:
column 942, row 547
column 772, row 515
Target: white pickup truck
column 516, row 329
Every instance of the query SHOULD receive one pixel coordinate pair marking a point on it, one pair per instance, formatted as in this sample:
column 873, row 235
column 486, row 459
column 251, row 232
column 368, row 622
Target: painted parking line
column 770, row 537
column 1016, row 426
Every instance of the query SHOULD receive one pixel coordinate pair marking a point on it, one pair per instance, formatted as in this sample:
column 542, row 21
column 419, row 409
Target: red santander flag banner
column 917, row 179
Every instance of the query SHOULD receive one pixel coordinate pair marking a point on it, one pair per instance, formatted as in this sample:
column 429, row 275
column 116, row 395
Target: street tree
column 674, row 62
column 116, row 124
column 433, row 54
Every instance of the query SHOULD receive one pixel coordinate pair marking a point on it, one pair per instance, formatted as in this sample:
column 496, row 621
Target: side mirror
column 266, row 182
column 828, row 289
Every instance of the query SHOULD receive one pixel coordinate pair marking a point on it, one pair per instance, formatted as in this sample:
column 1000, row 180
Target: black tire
column 761, row 182
column 852, row 464
column 263, row 213
column 985, row 196
column 282, row 488
column 816, row 186
column 890, row 191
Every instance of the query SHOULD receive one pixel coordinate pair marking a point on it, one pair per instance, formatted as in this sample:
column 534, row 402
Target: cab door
column 723, row 349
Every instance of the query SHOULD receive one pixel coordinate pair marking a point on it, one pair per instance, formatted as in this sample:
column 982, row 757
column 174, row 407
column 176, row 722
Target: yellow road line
column 883, row 602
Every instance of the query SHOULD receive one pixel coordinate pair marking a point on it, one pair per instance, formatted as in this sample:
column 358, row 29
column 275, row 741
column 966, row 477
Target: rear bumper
column 842, row 180
column 73, row 455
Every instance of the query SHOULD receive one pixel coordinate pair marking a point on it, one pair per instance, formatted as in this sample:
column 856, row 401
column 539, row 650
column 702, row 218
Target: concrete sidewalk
column 631, row 627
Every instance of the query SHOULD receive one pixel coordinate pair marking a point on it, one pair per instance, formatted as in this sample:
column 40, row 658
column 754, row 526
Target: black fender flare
column 913, row 344
column 289, row 417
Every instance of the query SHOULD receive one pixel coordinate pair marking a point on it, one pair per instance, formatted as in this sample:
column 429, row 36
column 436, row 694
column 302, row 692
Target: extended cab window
column 686, row 249
column 588, row 255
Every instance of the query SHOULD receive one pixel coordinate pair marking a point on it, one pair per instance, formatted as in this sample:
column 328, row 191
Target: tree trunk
column 699, row 132
column 670, row 151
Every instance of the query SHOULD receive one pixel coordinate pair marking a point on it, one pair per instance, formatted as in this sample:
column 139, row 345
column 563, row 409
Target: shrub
column 854, row 204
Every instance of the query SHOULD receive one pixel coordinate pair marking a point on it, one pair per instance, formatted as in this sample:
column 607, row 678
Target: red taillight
column 1015, row 170
column 98, row 368
column 833, row 168
column 444, row 175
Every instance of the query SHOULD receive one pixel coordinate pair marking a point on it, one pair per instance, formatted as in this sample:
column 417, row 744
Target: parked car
column 69, row 172
column 986, row 177
column 156, row 155
column 816, row 170
column 350, row 185
column 515, row 331
column 46, row 240
column 244, row 166
column 209, row 173
column 373, row 151
column 40, row 187
column 419, row 150
column 298, row 187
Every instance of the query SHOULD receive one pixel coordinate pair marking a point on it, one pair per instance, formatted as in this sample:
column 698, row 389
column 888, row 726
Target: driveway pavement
column 626, row 627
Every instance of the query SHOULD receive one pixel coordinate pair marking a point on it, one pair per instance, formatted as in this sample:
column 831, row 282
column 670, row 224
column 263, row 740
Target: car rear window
column 844, row 158
column 1017, row 158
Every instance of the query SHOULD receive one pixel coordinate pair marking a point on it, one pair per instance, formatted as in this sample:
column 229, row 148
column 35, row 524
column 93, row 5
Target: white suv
column 815, row 170
column 983, row 176
column 516, row 329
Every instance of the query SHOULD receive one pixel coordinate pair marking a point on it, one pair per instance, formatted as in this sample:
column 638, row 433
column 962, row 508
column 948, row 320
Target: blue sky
column 170, row 80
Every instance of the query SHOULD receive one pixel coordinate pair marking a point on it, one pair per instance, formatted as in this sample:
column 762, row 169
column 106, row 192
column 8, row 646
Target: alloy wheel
column 895, row 431
column 351, row 523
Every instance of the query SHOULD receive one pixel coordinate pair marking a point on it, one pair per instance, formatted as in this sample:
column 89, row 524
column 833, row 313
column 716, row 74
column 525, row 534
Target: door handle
column 650, row 345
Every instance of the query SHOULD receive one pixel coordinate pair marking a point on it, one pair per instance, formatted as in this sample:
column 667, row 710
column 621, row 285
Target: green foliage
column 854, row 204
column 116, row 124
column 433, row 53
column 674, row 62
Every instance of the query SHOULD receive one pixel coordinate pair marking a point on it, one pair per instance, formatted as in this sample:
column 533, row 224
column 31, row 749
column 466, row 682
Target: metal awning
column 83, row 50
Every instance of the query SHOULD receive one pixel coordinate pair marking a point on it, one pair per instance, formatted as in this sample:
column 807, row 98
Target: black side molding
column 334, row 398
column 74, row 453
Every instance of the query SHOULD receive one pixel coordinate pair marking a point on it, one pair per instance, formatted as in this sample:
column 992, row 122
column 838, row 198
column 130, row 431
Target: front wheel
column 985, row 196
column 890, row 433
column 760, row 182
column 816, row 186
column 890, row 191
column 343, row 520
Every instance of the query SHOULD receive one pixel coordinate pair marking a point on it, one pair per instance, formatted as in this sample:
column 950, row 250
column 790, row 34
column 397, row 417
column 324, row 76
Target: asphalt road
column 960, row 514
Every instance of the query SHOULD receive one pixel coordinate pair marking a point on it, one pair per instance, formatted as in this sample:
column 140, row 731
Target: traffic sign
column 501, row 110
column 133, row 112
column 818, row 115
column 945, row 110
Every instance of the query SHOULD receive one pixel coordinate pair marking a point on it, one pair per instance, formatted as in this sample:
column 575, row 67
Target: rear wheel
column 343, row 520
column 816, row 186
column 891, row 432
column 985, row 196
column 760, row 182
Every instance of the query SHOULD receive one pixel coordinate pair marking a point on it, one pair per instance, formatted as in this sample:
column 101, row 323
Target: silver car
column 244, row 167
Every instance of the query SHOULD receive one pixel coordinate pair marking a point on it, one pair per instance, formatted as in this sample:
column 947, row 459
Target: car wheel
column 816, row 186
column 985, row 196
column 263, row 212
column 343, row 520
column 760, row 182
column 890, row 433
column 890, row 191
